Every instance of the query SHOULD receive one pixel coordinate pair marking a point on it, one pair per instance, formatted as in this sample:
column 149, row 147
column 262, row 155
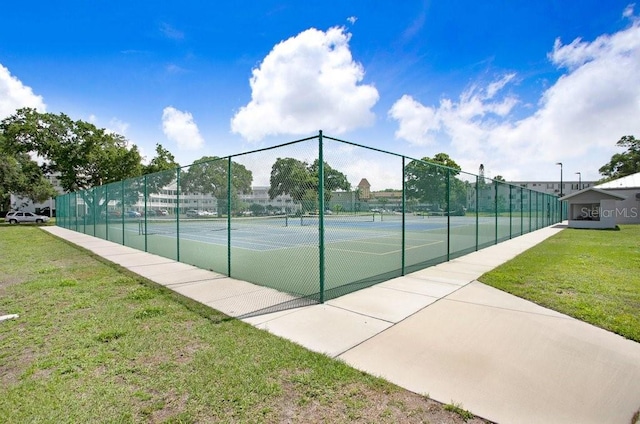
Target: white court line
column 385, row 253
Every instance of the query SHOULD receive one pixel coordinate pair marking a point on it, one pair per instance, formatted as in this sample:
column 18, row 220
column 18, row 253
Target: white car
column 16, row 217
column 193, row 213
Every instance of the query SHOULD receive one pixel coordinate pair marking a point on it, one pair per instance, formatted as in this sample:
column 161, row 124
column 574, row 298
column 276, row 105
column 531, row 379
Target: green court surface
column 284, row 252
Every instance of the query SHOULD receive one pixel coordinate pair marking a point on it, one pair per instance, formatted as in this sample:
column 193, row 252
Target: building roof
column 603, row 194
column 630, row 181
column 364, row 183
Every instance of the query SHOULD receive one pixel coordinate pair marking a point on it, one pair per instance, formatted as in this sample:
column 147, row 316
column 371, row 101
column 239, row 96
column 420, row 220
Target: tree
column 21, row 176
column 623, row 164
column 162, row 161
column 161, row 170
column 499, row 178
column 80, row 153
column 427, row 180
column 333, row 179
column 300, row 180
column 257, row 209
column 208, row 175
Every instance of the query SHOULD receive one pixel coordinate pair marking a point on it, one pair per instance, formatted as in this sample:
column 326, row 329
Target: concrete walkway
column 438, row 332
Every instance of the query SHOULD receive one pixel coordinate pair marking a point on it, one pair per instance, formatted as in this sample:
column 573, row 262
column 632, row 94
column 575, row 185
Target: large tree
column 21, row 176
column 81, row 156
column 299, row 179
column 427, row 181
column 208, row 175
column 623, row 164
column 80, row 153
column 161, row 170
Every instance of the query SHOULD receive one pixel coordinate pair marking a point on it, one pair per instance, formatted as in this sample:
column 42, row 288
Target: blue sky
column 515, row 85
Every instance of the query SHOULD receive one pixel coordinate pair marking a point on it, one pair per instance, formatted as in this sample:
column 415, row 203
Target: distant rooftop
column 630, row 181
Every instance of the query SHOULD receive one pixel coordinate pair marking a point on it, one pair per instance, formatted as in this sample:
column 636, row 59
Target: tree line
column 34, row 145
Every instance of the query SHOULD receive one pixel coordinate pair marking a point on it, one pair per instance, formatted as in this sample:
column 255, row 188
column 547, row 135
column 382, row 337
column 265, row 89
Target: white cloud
column 180, row 127
column 420, row 125
column 628, row 11
column 171, row 32
column 352, row 19
column 307, row 83
column 117, row 126
column 15, row 95
column 578, row 120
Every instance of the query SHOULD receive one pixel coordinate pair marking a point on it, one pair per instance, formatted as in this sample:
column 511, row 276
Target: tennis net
column 335, row 220
column 203, row 225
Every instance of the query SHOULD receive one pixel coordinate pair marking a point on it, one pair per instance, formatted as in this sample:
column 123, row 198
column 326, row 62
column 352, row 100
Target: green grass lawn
column 592, row 275
column 95, row 343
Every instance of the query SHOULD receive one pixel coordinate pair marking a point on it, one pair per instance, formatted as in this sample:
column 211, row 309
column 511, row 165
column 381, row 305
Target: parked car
column 46, row 211
column 15, row 217
column 162, row 212
column 132, row 214
column 193, row 213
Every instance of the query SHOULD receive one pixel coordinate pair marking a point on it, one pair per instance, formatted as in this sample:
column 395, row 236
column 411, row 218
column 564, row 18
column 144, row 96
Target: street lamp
column 560, row 163
column 579, row 181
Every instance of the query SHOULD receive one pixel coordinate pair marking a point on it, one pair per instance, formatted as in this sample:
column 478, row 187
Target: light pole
column 560, row 163
column 579, row 180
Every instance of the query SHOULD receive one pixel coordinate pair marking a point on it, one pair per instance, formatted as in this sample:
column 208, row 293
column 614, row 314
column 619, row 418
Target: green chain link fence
column 262, row 217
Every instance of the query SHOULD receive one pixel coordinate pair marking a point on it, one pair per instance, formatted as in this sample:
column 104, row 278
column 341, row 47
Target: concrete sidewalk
column 438, row 332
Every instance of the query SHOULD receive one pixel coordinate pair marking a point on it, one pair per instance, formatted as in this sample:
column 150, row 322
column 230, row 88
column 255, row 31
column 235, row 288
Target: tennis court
column 280, row 241
column 285, row 232
column 282, row 252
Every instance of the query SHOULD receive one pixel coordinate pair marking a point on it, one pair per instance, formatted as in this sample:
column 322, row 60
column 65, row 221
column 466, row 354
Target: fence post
column 404, row 211
column 529, row 196
column 93, row 209
column 510, row 211
column 229, row 217
column 146, row 194
column 448, row 215
column 321, row 212
column 537, row 210
column 122, row 211
column 177, row 210
column 495, row 206
column 521, row 211
column 477, row 208
column 106, row 212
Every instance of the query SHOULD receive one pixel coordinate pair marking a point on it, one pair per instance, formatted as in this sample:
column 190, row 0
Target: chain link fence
column 262, row 217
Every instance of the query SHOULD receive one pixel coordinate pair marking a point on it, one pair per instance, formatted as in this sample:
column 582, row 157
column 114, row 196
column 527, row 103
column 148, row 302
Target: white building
column 553, row 187
column 260, row 196
column 627, row 211
column 25, row 204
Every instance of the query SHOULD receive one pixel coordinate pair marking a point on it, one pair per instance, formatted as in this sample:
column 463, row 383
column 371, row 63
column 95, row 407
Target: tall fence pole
column 229, row 217
column 521, row 211
column 448, row 199
column 94, row 210
column 321, row 215
column 529, row 196
column 495, row 207
column 404, row 211
column 106, row 212
column 510, row 211
column 177, row 211
column 146, row 195
column 477, row 209
column 122, row 210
